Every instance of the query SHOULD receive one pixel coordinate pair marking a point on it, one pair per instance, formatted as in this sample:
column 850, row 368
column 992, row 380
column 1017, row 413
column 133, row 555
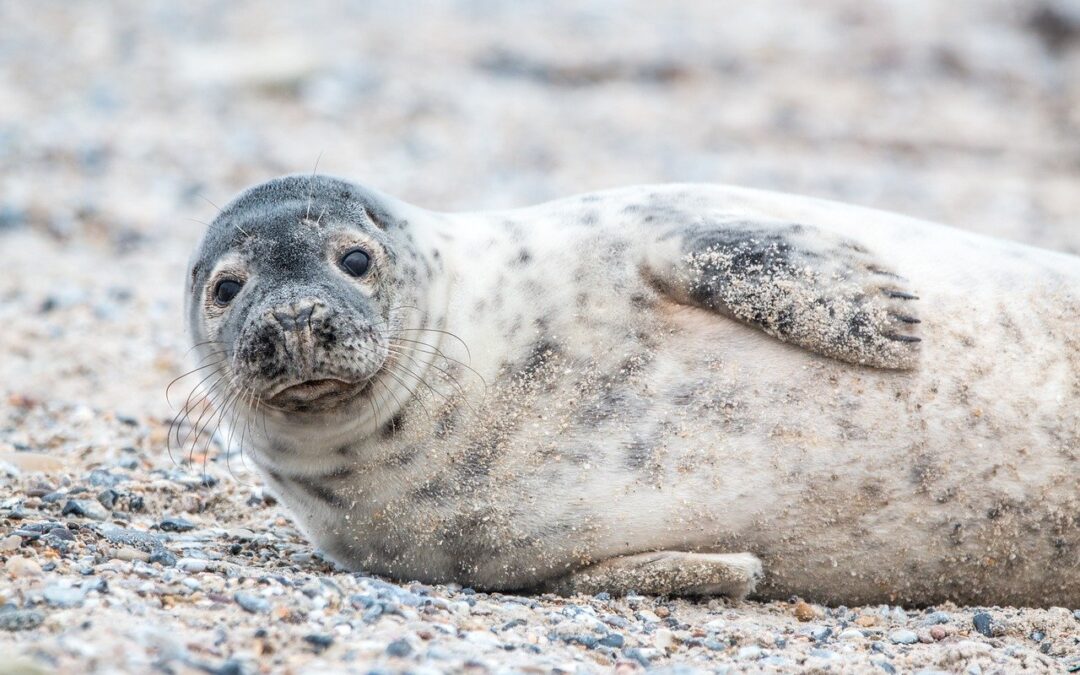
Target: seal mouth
column 311, row 394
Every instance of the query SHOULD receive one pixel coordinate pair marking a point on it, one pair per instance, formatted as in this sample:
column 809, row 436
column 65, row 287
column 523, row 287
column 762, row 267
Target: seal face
column 666, row 389
column 295, row 285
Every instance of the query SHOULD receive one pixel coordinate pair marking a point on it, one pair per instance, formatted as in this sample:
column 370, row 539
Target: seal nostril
column 303, row 315
column 293, row 318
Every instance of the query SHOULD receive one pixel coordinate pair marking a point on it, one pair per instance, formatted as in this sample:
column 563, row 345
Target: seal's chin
column 316, row 395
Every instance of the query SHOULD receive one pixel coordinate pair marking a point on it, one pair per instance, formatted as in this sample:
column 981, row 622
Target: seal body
column 878, row 409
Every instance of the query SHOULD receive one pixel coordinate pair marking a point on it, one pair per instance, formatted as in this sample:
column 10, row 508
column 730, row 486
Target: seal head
column 292, row 292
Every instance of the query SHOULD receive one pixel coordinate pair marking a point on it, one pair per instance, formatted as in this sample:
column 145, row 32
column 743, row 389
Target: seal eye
column 356, row 262
column 226, row 290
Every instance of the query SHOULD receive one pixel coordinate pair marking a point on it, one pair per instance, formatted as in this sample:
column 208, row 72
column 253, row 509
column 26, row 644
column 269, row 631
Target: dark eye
column 356, row 262
column 226, row 290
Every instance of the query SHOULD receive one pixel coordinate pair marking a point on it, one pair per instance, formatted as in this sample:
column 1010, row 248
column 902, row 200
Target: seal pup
column 667, row 389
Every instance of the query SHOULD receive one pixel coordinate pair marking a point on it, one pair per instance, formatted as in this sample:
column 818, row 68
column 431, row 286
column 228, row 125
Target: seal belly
column 956, row 480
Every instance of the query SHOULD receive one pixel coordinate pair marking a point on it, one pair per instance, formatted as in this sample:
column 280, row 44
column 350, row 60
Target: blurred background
column 123, row 123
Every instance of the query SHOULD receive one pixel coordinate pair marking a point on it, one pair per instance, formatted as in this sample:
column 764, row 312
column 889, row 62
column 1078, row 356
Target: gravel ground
column 122, row 123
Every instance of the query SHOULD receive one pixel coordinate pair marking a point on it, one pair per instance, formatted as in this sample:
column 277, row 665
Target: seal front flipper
column 798, row 283
column 733, row 575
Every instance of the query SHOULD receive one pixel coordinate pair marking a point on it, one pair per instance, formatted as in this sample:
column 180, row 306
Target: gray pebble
column 824, row 654
column 20, row 619
column 400, row 648
column 252, row 603
column 85, row 508
column 107, row 498
column 176, row 525
column 64, row 596
column 903, row 637
column 715, row 645
column 821, row 634
column 983, row 623
column 615, row 620
column 319, row 640
column 935, row 618
column 615, row 640
column 104, row 478
column 192, row 564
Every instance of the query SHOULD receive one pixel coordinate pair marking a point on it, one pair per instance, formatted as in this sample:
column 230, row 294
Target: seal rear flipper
column 798, row 283
column 733, row 575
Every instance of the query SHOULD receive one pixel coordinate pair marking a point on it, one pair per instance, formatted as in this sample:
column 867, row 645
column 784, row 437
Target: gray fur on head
column 299, row 315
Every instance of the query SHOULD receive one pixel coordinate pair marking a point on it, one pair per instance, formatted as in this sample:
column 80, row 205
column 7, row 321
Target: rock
column 319, row 640
column 63, row 596
column 903, row 637
column 748, row 653
column 10, row 543
column 399, row 648
column 851, row 634
column 648, row 616
column 32, row 462
column 935, row 618
column 192, row 564
column 821, row 633
column 20, row 619
column 104, row 478
column 108, row 498
column 615, row 640
column 804, row 611
column 938, row 633
column 176, row 525
column 866, row 620
column 664, row 639
column 61, row 533
column 19, row 567
column 983, row 623
column 252, row 603
column 85, row 508
column 130, row 553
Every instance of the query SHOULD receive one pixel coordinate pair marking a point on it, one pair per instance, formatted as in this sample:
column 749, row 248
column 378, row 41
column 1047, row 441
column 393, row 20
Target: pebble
column 935, row 618
column 612, row 640
column 176, row 525
column 85, row 508
column 319, row 640
column 19, row 567
column 20, row 619
column 903, row 637
column 192, row 564
column 821, row 633
column 399, row 648
column 63, row 596
column 748, row 653
column 664, row 639
column 10, row 543
column 938, row 633
column 804, row 611
column 128, row 553
column 106, row 479
column 851, row 634
column 983, row 623
column 252, row 603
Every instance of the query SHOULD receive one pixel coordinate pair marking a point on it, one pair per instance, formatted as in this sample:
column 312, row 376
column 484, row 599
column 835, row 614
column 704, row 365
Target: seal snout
column 302, row 353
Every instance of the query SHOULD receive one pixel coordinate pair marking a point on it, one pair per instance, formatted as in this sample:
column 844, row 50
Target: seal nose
column 296, row 316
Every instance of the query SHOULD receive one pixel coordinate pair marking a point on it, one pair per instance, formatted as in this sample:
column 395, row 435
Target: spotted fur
column 877, row 408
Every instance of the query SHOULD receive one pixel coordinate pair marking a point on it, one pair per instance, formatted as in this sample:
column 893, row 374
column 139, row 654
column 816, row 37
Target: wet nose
column 295, row 316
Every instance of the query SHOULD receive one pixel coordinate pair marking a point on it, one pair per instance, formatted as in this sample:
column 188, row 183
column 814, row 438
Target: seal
column 680, row 389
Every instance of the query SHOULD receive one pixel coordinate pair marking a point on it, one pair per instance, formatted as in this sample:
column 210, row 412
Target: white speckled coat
column 690, row 368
